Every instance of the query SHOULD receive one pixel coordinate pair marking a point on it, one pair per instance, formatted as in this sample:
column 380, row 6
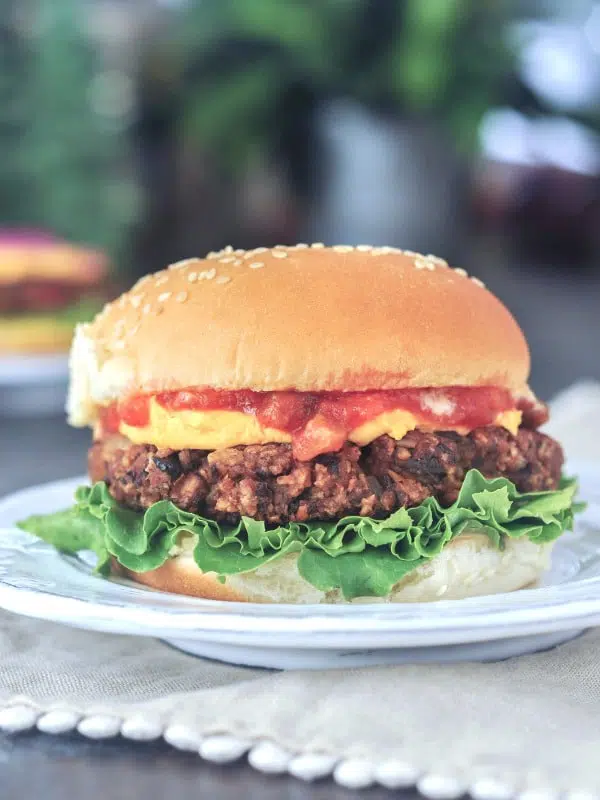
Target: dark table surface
column 42, row 766
column 560, row 313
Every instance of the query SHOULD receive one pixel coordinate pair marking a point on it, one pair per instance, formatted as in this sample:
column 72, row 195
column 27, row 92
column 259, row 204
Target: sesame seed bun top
column 306, row 318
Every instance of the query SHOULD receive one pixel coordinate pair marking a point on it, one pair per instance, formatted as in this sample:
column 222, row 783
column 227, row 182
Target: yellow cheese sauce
column 215, row 430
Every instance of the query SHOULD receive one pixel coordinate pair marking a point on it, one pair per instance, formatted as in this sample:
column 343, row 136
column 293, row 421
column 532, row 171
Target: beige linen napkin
column 526, row 724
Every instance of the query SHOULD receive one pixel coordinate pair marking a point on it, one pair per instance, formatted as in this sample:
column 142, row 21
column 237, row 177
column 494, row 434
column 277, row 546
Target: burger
column 312, row 424
column 46, row 287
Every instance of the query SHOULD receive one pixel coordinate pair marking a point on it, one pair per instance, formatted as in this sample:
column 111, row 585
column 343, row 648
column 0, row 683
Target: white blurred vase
column 385, row 181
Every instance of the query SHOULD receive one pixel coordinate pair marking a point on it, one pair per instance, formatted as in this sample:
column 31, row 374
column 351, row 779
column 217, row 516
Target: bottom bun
column 469, row 566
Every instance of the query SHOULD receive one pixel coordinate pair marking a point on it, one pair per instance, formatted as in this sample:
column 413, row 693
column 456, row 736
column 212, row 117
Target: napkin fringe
column 19, row 715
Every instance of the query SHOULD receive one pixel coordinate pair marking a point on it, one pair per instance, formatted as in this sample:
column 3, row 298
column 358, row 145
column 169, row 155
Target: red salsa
column 320, row 422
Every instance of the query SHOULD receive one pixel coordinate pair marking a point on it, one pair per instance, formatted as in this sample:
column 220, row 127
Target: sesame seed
column 422, row 263
column 239, row 252
column 227, row 260
column 238, row 262
column 228, row 249
column 136, row 300
column 181, row 297
column 342, row 248
column 260, row 250
column 183, row 263
column 279, row 247
column 147, row 308
column 377, row 251
column 164, row 296
column 460, row 271
column 363, row 248
column 440, row 262
column 192, row 276
column 161, row 280
column 256, row 264
column 279, row 254
column 477, row 282
column 301, row 246
column 317, row 245
column 213, row 254
column 223, row 279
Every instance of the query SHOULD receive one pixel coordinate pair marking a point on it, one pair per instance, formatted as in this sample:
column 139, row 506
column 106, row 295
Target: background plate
column 37, row 581
column 33, row 385
column 33, row 370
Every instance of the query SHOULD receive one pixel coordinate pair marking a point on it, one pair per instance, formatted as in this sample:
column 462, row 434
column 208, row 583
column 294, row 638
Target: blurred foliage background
column 406, row 58
column 157, row 128
column 64, row 163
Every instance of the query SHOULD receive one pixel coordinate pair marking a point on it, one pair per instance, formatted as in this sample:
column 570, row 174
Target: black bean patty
column 266, row 482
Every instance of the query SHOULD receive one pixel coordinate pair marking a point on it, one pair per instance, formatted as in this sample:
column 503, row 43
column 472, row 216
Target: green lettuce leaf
column 71, row 531
column 360, row 556
column 83, row 310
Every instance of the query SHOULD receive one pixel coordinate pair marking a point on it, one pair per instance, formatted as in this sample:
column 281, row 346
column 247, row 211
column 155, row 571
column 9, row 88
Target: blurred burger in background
column 47, row 286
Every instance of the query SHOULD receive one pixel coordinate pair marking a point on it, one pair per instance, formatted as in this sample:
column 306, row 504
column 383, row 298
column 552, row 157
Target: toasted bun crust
column 304, row 318
column 469, row 566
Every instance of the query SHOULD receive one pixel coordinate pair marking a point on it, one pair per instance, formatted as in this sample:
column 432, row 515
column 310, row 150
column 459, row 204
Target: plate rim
column 33, row 369
column 470, row 619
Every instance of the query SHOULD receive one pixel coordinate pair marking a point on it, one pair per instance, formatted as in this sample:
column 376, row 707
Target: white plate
column 37, row 581
column 27, row 370
column 33, row 384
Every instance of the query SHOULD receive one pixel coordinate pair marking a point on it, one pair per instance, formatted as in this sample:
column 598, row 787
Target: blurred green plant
column 235, row 59
column 64, row 164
